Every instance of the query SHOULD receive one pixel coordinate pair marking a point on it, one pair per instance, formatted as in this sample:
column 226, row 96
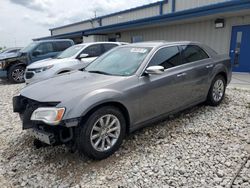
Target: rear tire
column 217, row 91
column 16, row 74
column 102, row 133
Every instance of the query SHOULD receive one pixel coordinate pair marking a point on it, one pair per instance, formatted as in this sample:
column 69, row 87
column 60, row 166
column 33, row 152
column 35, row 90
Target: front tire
column 217, row 91
column 102, row 133
column 16, row 74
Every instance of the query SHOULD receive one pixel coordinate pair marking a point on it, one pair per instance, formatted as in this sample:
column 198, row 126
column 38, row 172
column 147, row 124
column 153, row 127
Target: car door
column 42, row 51
column 161, row 94
column 93, row 51
column 197, row 67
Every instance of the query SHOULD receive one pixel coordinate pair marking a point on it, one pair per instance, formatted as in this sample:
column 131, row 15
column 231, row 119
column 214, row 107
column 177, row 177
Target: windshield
column 29, row 47
column 121, row 61
column 73, row 50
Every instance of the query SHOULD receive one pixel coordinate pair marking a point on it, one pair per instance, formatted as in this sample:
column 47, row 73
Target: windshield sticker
column 138, row 50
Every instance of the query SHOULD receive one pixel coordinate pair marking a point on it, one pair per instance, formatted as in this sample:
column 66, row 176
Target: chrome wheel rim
column 105, row 132
column 18, row 75
column 218, row 90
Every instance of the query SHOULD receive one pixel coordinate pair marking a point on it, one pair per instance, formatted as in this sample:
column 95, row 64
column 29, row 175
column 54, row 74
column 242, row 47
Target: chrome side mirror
column 155, row 70
column 83, row 56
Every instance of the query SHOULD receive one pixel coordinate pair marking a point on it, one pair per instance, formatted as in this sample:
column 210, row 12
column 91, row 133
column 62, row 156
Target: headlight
column 41, row 69
column 51, row 116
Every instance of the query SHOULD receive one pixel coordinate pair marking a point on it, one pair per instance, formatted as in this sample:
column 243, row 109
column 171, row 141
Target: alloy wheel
column 18, row 75
column 105, row 132
column 218, row 90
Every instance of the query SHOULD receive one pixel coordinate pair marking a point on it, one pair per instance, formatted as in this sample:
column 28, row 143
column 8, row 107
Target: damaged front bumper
column 49, row 134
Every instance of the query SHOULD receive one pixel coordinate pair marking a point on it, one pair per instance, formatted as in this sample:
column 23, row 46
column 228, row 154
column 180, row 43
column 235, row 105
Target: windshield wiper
column 99, row 72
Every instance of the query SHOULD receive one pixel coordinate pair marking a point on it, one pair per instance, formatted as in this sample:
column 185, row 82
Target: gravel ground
column 201, row 147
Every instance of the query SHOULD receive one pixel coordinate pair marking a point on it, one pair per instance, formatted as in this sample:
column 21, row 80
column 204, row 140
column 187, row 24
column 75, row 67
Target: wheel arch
column 15, row 64
column 115, row 104
column 219, row 69
column 223, row 74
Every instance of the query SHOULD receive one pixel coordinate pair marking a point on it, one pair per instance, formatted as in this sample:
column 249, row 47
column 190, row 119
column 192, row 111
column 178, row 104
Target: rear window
column 108, row 47
column 62, row 45
column 193, row 53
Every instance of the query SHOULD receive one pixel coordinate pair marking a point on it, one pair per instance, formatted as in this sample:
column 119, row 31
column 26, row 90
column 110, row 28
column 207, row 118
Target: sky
column 23, row 20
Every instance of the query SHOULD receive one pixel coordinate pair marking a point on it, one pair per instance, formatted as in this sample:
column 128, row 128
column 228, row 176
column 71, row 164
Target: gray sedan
column 121, row 91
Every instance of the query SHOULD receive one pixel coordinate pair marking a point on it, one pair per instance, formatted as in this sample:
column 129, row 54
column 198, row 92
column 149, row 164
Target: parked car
column 73, row 58
column 13, row 68
column 9, row 52
column 120, row 92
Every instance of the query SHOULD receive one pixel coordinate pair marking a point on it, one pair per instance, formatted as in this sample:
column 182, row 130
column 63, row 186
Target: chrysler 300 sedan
column 125, row 89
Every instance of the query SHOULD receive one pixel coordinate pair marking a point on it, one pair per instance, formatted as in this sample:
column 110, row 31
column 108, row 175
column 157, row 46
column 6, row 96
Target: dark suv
column 13, row 68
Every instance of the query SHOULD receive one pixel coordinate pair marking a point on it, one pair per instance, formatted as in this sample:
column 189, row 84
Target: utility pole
column 95, row 13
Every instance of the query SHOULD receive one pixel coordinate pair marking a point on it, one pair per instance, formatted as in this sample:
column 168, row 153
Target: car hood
column 47, row 62
column 8, row 55
column 68, row 86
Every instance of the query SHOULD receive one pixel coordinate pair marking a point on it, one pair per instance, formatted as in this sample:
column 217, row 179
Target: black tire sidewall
column 210, row 98
column 11, row 69
column 84, row 131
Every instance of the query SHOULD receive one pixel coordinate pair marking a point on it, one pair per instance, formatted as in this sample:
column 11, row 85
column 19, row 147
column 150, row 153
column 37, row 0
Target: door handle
column 181, row 74
column 209, row 66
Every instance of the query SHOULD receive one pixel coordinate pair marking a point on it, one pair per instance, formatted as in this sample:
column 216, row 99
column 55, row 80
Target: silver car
column 73, row 58
column 125, row 89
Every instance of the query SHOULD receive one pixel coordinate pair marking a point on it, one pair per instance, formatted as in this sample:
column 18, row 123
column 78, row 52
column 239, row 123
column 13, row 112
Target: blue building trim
column 228, row 6
column 62, row 36
column 173, row 5
column 100, row 22
column 114, row 14
column 161, row 8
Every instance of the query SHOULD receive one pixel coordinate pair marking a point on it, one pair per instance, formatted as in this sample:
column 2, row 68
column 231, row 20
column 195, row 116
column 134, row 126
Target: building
column 224, row 25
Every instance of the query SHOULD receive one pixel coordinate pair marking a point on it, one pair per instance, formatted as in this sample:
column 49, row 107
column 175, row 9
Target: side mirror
column 36, row 53
column 155, row 70
column 83, row 56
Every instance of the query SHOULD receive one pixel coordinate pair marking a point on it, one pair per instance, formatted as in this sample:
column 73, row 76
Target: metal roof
column 113, row 14
column 218, row 8
column 223, row 7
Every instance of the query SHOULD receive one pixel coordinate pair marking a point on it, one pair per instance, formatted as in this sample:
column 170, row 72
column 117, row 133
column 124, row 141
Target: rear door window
column 107, row 47
column 93, row 50
column 167, row 57
column 61, row 45
column 193, row 53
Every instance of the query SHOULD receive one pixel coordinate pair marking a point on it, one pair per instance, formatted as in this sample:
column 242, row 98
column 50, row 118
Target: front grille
column 29, row 75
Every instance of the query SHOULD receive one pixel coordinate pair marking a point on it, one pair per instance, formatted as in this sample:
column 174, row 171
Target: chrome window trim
column 179, row 47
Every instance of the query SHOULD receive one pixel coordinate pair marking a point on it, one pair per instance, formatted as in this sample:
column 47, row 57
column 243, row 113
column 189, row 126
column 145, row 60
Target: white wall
column 94, row 38
column 118, row 18
column 205, row 32
column 132, row 15
column 72, row 28
column 136, row 14
column 188, row 4
column 167, row 7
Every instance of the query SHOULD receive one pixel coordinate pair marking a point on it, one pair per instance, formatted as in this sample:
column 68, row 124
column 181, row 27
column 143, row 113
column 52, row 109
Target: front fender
column 81, row 105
